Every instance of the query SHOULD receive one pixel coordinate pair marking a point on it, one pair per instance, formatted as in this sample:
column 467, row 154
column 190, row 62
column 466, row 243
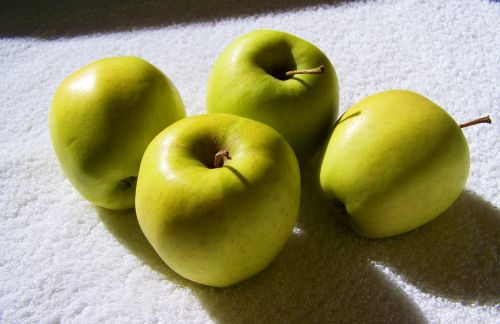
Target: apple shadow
column 123, row 225
column 326, row 273
column 238, row 174
column 455, row 256
column 49, row 19
column 340, row 120
column 302, row 285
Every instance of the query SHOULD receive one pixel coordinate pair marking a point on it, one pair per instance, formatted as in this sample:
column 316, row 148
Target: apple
column 217, row 197
column 102, row 118
column 395, row 160
column 280, row 80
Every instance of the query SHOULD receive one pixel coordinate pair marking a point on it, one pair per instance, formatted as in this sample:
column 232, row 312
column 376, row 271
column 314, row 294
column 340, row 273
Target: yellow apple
column 281, row 80
column 218, row 196
column 396, row 160
column 102, row 118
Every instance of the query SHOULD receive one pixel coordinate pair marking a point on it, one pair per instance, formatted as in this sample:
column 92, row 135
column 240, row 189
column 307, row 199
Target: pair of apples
column 217, row 195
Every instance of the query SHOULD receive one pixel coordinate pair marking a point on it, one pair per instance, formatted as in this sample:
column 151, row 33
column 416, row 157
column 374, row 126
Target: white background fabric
column 62, row 259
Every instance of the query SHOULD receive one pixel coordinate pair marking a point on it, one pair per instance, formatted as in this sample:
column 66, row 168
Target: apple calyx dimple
column 485, row 119
column 317, row 70
column 220, row 158
column 127, row 183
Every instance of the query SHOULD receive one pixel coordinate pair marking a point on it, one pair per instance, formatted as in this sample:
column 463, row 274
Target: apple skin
column 218, row 226
column 245, row 80
column 102, row 118
column 396, row 161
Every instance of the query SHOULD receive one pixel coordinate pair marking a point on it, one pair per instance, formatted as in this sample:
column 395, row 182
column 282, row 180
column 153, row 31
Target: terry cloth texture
column 64, row 260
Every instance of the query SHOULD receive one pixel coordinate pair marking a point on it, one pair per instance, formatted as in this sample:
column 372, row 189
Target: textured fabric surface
column 62, row 259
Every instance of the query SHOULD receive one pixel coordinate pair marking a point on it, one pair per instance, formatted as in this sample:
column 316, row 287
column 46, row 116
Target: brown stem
column 318, row 70
column 485, row 119
column 220, row 158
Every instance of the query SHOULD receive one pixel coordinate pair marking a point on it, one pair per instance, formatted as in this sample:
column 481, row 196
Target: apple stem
column 317, row 70
column 220, row 158
column 481, row 120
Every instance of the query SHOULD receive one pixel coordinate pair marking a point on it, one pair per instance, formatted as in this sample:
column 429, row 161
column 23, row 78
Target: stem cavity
column 127, row 183
column 485, row 119
column 317, row 70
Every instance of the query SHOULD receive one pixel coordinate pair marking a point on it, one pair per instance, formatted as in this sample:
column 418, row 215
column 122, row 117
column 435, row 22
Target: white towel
column 62, row 259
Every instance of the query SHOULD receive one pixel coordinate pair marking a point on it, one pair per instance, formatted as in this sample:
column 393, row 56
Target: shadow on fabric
column 326, row 273
column 53, row 19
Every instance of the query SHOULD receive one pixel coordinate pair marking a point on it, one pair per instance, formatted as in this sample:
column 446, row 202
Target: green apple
column 395, row 160
column 102, row 118
column 217, row 197
column 250, row 79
